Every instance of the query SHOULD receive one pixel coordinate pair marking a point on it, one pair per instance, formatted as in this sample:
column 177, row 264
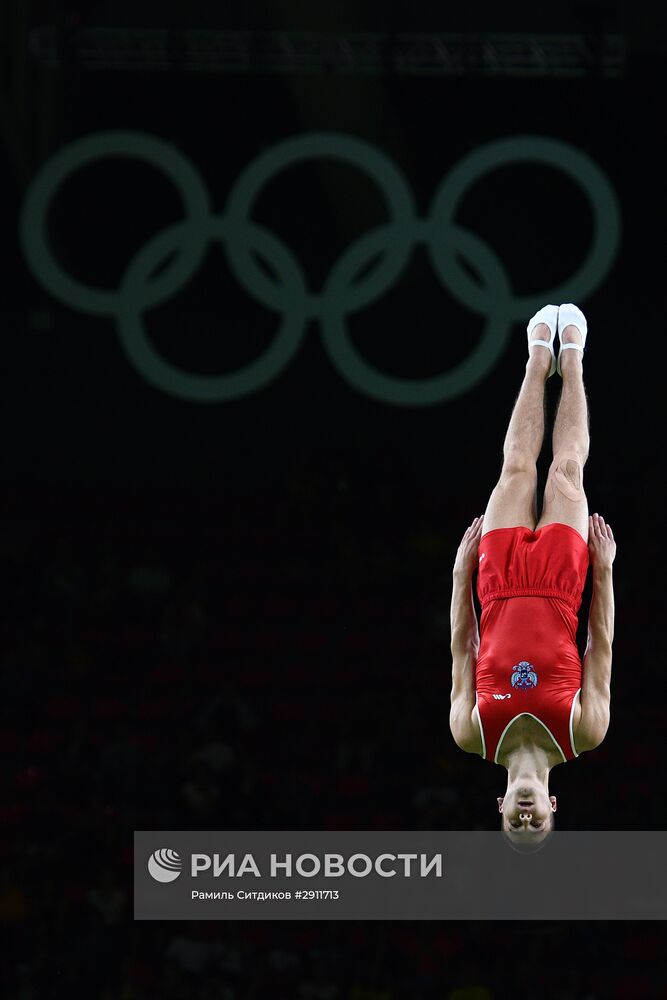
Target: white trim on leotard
column 502, row 735
column 571, row 718
column 481, row 727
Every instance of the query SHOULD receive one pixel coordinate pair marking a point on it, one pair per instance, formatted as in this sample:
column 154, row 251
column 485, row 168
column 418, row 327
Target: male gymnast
column 520, row 695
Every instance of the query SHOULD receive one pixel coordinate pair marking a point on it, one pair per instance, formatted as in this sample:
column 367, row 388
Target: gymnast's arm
column 464, row 641
column 596, row 684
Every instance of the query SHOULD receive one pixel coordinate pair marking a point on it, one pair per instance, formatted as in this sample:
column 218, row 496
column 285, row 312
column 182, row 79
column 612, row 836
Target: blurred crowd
column 269, row 661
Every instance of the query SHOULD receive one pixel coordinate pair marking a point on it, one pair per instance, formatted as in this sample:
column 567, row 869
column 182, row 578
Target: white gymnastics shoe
column 549, row 316
column 571, row 315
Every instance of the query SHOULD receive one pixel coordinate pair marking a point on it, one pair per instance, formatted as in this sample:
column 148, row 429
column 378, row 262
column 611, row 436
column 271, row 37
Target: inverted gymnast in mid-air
column 520, row 694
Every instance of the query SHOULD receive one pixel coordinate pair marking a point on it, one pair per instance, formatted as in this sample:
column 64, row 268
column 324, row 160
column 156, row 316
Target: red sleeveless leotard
column 529, row 586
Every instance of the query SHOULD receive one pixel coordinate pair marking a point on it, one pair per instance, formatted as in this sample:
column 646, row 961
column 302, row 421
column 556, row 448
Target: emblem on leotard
column 523, row 675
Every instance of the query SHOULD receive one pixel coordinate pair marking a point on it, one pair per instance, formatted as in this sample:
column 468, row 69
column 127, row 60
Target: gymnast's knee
column 516, row 464
column 566, row 475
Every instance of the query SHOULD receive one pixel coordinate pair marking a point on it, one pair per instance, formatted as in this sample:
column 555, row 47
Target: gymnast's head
column 527, row 816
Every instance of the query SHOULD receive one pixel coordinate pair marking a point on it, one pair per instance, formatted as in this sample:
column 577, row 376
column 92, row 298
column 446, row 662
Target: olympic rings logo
column 390, row 246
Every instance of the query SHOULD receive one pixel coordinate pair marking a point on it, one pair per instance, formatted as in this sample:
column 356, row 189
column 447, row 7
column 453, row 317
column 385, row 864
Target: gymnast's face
column 527, row 813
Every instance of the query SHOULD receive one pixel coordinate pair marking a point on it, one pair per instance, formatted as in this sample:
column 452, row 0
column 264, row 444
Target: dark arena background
column 227, row 598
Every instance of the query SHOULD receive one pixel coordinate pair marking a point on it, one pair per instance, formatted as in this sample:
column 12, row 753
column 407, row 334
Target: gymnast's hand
column 601, row 544
column 465, row 563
